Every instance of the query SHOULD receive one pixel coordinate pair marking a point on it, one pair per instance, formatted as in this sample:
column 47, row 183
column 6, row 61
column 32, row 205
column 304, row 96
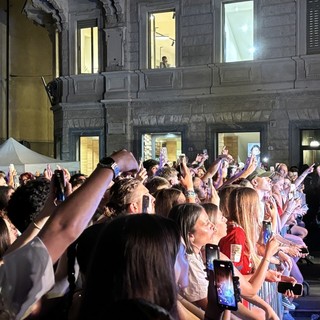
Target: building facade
column 238, row 73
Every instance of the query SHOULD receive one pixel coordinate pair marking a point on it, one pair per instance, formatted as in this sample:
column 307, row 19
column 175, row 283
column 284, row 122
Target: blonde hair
column 244, row 207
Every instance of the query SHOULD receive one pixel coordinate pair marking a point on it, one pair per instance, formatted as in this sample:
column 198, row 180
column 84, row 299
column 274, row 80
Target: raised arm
column 73, row 215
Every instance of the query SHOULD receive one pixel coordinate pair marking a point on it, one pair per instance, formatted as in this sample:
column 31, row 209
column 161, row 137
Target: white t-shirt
column 26, row 275
column 198, row 284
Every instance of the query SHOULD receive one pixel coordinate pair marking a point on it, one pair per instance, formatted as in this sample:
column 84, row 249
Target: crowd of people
column 129, row 239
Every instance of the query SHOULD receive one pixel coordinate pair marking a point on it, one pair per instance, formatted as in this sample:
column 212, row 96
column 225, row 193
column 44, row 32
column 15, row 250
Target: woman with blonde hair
column 243, row 229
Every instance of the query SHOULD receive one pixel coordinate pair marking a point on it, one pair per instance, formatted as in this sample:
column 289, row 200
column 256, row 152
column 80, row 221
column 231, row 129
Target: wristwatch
column 108, row 162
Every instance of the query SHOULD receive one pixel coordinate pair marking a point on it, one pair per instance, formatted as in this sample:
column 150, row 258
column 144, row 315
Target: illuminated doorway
column 155, row 143
column 89, row 154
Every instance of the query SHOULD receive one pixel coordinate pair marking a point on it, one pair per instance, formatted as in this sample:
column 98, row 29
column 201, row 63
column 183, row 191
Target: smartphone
column 209, row 189
column 224, row 283
column 304, row 250
column 212, row 253
column 145, row 203
column 59, row 183
column 182, row 159
column 284, row 286
column 266, row 230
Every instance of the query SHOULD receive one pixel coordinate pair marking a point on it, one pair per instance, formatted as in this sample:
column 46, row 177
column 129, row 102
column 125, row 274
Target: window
column 155, row 144
column 241, row 145
column 313, row 36
column 162, row 39
column 88, row 47
column 310, row 144
column 238, row 31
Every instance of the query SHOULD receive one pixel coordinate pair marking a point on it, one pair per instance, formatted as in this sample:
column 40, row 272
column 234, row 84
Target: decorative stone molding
column 52, row 14
column 114, row 12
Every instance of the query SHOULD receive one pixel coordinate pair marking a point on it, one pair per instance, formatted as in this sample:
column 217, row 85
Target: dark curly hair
column 27, row 201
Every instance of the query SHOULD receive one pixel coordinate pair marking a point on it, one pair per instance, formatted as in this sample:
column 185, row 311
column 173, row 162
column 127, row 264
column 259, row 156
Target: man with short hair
column 126, row 197
column 151, row 166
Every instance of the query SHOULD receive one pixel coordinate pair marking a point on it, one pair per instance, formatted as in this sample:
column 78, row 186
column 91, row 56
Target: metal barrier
column 269, row 294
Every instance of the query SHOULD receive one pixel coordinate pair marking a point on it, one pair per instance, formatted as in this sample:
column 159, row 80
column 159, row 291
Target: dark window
column 313, row 10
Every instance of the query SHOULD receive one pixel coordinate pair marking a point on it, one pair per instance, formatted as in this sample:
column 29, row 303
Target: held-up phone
column 59, row 183
column 284, row 286
column 212, row 253
column 266, row 230
column 145, row 203
column 304, row 250
column 182, row 159
column 209, row 189
column 224, row 282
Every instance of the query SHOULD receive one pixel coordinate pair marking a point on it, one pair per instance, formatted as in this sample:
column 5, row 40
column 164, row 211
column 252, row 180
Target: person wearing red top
column 235, row 246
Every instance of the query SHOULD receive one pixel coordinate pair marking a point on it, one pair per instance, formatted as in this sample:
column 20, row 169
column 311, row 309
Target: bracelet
column 36, row 226
column 190, row 194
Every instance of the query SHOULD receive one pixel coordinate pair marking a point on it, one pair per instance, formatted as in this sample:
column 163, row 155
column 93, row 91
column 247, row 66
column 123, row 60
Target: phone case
column 284, row 286
column 267, row 231
column 212, row 253
column 226, row 294
column 145, row 203
column 59, row 184
column 304, row 250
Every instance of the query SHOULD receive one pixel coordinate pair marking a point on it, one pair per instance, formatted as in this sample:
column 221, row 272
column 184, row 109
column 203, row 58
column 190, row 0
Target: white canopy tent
column 26, row 160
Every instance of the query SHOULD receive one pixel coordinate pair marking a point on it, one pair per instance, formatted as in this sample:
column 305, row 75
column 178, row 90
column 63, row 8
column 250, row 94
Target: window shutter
column 313, row 37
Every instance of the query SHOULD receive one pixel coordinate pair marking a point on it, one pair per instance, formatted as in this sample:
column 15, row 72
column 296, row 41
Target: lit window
column 88, row 47
column 240, row 145
column 162, row 39
column 167, row 144
column 238, row 31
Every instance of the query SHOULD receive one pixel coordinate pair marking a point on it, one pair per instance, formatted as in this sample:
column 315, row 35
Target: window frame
column 309, row 50
column 218, row 33
column 86, row 24
column 215, row 129
column 140, row 131
column 144, row 11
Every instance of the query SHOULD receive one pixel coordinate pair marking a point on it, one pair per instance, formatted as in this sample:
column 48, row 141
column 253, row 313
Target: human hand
column 250, row 165
column 48, row 173
column 272, row 247
column 125, row 160
column 273, row 276
column 142, row 174
column 186, row 177
column 213, row 195
column 213, row 312
column 285, row 259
